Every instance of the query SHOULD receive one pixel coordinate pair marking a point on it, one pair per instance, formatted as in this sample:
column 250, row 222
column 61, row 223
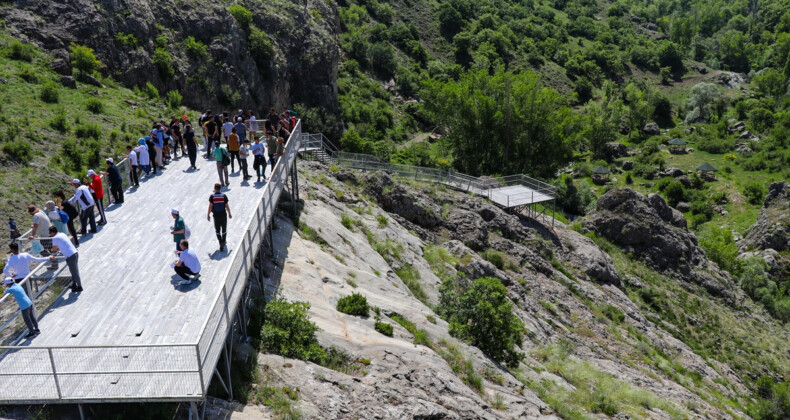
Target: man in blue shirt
column 25, row 305
column 258, row 162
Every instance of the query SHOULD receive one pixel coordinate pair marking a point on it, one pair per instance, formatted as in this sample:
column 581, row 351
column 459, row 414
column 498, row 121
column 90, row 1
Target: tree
column 84, row 60
column 699, row 104
column 288, row 331
column 602, row 121
column 483, row 315
column 771, row 82
column 639, row 109
column 670, row 55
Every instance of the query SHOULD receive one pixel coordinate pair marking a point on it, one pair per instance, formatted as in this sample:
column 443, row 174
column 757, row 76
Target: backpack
column 225, row 157
column 64, row 217
column 187, row 232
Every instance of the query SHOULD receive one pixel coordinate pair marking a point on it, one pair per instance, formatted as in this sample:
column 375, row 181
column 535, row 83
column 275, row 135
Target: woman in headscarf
column 54, row 216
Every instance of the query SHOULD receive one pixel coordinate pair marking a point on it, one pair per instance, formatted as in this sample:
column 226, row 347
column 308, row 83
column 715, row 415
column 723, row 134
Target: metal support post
column 82, row 414
column 227, row 364
column 203, row 385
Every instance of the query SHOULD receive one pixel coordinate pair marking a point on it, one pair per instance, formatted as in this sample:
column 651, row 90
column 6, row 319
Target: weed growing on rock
column 420, row 336
column 384, row 328
column 411, row 277
column 460, row 365
column 494, row 257
column 354, row 304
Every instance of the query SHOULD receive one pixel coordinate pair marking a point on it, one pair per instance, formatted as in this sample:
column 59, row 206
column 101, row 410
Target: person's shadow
column 219, row 255
column 175, row 279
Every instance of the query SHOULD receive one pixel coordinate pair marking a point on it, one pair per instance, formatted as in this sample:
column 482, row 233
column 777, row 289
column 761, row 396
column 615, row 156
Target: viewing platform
column 133, row 335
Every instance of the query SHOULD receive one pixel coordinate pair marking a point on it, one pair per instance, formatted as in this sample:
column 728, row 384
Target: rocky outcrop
column 651, row 129
column 583, row 253
column 772, row 229
column 655, row 233
column 300, row 68
column 394, row 198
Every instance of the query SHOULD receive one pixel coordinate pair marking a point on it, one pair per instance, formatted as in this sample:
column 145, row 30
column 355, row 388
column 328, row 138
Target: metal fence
column 176, row 372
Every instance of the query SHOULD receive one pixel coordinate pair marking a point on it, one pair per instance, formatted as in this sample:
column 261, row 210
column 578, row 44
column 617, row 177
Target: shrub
column 260, row 46
column 241, row 14
column 384, row 328
column 354, row 304
column 288, row 331
column 49, row 92
column 720, row 246
column 20, row 150
column 173, row 99
column 60, row 123
column 83, row 59
column 494, row 257
column 94, row 105
column 411, row 277
column 675, row 193
column 28, row 75
column 128, row 40
column 482, row 315
column 613, row 313
column 88, row 130
column 382, row 221
column 151, row 91
column 163, row 62
column 702, row 207
column 754, row 193
column 195, row 48
column 21, row 51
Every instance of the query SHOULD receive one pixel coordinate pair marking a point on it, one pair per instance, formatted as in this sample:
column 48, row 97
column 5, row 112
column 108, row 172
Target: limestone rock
column 651, row 129
column 583, row 253
column 772, row 228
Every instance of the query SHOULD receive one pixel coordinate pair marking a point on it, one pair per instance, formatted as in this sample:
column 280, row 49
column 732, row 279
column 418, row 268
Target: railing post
column 54, row 373
column 200, row 368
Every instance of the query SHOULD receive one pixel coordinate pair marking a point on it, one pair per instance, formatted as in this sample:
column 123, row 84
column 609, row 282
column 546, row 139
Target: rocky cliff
column 617, row 327
column 293, row 59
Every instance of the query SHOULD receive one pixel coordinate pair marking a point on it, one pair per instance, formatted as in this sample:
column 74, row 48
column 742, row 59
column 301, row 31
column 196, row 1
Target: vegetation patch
column 354, row 304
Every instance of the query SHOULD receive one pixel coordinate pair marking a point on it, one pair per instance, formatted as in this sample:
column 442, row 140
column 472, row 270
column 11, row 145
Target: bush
column 754, row 193
column 94, row 105
column 151, row 91
column 195, row 48
column 720, row 246
column 163, row 62
column 128, row 40
column 28, row 75
column 49, row 92
column 88, row 130
column 21, row 51
column 384, row 328
column 494, row 257
column 613, row 313
column 173, row 99
column 675, row 193
column 241, row 14
column 83, row 59
column 483, row 316
column 354, row 304
column 702, row 207
column 60, row 123
column 288, row 331
column 260, row 46
column 20, row 151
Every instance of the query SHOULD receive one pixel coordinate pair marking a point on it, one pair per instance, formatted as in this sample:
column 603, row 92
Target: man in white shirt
column 187, row 264
column 83, row 196
column 133, row 180
column 62, row 243
column 18, row 265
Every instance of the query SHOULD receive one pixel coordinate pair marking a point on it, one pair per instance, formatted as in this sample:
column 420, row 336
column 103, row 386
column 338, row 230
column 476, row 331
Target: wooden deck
column 516, row 196
column 132, row 334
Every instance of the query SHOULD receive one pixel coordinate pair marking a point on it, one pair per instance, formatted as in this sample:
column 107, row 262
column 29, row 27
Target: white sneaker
column 185, row 282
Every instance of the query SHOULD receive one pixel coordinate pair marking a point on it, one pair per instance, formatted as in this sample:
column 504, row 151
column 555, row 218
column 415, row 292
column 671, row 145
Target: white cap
column 75, row 181
column 238, row 119
column 109, row 160
column 174, row 211
column 90, row 172
column 8, row 280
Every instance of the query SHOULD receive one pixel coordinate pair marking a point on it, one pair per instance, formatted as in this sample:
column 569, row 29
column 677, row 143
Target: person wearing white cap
column 97, row 190
column 25, row 305
column 179, row 229
column 61, row 242
column 187, row 263
column 83, row 196
column 116, row 182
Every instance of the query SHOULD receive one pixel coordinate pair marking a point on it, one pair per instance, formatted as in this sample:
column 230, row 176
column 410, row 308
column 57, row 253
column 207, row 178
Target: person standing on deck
column 133, row 180
column 72, row 212
column 97, row 191
column 220, row 154
column 116, row 182
column 83, row 196
column 187, row 263
column 39, row 229
column 258, row 161
column 25, row 305
column 233, row 148
column 53, row 213
column 191, row 142
column 218, row 206
column 271, row 148
column 61, row 242
column 179, row 229
column 18, row 265
column 244, row 152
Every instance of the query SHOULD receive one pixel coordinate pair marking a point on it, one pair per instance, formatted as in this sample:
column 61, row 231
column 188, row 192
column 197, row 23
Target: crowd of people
column 228, row 141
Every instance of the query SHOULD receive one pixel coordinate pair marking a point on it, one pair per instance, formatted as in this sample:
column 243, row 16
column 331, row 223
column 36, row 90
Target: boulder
column 394, row 198
column 674, row 172
column 685, row 180
column 651, row 129
column 60, row 66
column 772, row 228
column 683, row 206
column 737, row 127
column 616, row 150
column 628, row 165
column 68, row 82
column 585, row 254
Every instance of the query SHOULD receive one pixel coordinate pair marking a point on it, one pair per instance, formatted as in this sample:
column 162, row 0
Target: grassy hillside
column 50, row 134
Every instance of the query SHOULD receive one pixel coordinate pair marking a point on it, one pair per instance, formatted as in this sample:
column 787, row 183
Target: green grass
column 460, row 365
column 438, row 258
column 411, row 277
column 420, row 336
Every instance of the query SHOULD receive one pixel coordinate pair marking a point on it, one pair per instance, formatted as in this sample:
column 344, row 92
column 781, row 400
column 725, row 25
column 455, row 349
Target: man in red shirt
column 97, row 190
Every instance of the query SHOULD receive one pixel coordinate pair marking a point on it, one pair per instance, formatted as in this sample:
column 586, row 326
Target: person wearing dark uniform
column 218, row 206
column 116, row 182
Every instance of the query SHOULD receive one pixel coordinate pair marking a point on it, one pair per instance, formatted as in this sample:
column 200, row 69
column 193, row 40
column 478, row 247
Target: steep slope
column 606, row 334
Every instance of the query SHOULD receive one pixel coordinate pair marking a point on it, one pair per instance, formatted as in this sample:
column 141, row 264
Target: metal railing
column 124, row 373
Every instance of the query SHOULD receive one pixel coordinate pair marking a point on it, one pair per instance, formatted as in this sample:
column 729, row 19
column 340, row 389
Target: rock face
column 772, row 229
column 583, row 253
column 655, row 233
column 651, row 129
column 301, row 67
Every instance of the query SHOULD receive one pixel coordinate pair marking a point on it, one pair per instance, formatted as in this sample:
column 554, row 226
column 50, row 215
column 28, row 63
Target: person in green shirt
column 219, row 152
column 178, row 230
column 271, row 149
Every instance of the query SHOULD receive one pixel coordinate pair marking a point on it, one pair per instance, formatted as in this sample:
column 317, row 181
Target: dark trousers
column 133, row 177
column 100, row 207
column 85, row 216
column 259, row 165
column 243, row 165
column 234, row 154
column 192, row 150
column 74, row 269
column 221, row 226
column 73, row 232
column 117, row 192
column 184, row 272
column 272, row 161
column 30, row 319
